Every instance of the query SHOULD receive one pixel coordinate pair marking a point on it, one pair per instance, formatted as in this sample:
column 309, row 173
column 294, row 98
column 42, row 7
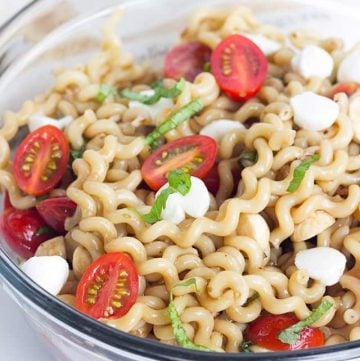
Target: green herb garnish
column 43, row 230
column 105, row 91
column 179, row 181
column 159, row 92
column 42, row 197
column 76, row 153
column 245, row 346
column 179, row 332
column 183, row 114
column 246, row 157
column 291, row 334
column 252, row 298
column 207, row 67
column 300, row 171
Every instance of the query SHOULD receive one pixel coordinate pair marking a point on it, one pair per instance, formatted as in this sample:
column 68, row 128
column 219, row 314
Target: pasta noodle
column 247, row 241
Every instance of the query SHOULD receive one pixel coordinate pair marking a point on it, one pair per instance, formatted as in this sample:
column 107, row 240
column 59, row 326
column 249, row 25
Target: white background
column 17, row 341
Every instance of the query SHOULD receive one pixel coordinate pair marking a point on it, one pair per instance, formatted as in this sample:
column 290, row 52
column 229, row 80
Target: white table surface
column 17, row 340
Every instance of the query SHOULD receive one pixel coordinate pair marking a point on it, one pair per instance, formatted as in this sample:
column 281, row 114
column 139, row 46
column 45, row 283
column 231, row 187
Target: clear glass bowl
column 49, row 33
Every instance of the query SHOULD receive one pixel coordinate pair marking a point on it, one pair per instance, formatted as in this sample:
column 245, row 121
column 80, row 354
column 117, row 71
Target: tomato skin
column 108, row 267
column 199, row 151
column 19, row 228
column 212, row 180
column 55, row 210
column 239, row 67
column 7, row 202
column 265, row 329
column 347, row 88
column 41, row 160
column 186, row 60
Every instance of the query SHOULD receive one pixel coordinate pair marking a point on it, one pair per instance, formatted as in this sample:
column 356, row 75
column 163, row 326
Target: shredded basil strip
column 42, row 197
column 247, row 157
column 291, row 334
column 179, row 332
column 245, row 346
column 252, row 298
column 76, row 153
column 183, row 114
column 300, row 171
column 105, row 91
column 43, row 230
column 179, row 181
column 207, row 67
column 159, row 92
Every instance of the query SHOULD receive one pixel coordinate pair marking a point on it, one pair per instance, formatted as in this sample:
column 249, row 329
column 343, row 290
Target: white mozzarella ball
column 217, row 129
column 324, row 264
column 314, row 112
column 154, row 109
column 49, row 272
column 349, row 68
column 195, row 203
column 266, row 45
column 38, row 120
column 313, row 61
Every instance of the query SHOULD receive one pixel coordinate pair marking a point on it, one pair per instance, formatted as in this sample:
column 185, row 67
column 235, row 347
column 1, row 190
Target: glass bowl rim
column 134, row 345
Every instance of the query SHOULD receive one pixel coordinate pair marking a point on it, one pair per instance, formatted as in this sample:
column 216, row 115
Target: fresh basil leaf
column 43, row 230
column 159, row 92
column 105, row 91
column 292, row 334
column 247, row 157
column 207, row 67
column 76, row 153
column 42, row 197
column 159, row 204
column 179, row 332
column 180, row 181
column 300, row 171
column 254, row 297
column 245, row 346
column 183, row 114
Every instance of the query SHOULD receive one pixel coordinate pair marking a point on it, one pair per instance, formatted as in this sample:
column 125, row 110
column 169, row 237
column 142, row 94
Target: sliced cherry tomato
column 347, row 88
column 24, row 230
column 239, row 67
column 7, row 202
column 212, row 180
column 109, row 287
column 186, row 60
column 41, row 160
column 55, row 211
column 264, row 332
column 195, row 154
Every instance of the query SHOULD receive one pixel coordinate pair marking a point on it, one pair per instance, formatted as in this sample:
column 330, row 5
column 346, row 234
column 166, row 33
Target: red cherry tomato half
column 7, row 202
column 264, row 332
column 41, row 160
column 239, row 67
column 186, row 60
column 109, row 287
column 24, row 230
column 55, row 210
column 347, row 88
column 212, row 180
column 195, row 154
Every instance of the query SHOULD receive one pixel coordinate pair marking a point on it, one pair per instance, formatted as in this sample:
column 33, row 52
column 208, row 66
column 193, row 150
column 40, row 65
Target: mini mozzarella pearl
column 349, row 68
column 154, row 109
column 217, row 129
column 266, row 45
column 313, row 61
column 49, row 272
column 314, row 112
column 38, row 120
column 195, row 203
column 324, row 264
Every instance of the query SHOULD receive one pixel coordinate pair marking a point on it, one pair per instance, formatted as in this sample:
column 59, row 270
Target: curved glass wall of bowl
column 53, row 33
